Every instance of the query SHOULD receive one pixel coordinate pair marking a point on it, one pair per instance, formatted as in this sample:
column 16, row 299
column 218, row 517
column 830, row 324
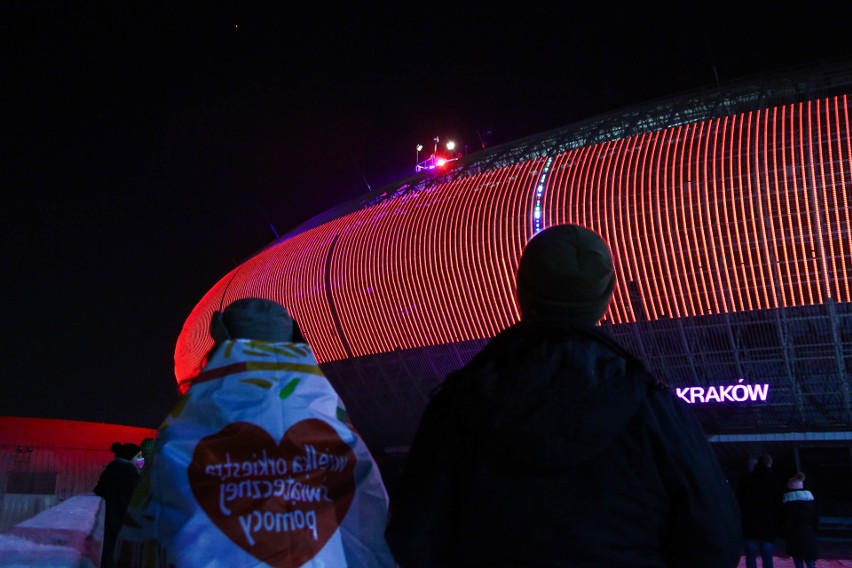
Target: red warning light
column 434, row 161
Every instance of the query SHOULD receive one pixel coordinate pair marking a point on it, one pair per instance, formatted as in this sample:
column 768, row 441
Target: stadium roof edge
column 743, row 94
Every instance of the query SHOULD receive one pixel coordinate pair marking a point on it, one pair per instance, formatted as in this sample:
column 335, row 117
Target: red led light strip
column 621, row 302
column 845, row 245
column 682, row 224
column 666, row 210
column 646, row 279
column 706, row 251
column 769, row 189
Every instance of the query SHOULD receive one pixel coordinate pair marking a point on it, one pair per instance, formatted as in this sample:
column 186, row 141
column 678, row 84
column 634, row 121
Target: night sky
column 148, row 148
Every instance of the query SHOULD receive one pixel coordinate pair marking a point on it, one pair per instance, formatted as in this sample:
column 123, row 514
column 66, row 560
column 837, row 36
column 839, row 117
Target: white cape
column 258, row 465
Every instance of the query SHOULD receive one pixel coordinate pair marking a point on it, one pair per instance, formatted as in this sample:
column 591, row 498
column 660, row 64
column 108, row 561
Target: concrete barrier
column 69, row 535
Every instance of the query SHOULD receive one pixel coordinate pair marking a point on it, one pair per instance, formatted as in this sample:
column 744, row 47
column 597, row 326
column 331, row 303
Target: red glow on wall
column 746, row 212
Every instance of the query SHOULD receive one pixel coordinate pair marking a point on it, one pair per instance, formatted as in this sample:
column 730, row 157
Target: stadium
column 729, row 213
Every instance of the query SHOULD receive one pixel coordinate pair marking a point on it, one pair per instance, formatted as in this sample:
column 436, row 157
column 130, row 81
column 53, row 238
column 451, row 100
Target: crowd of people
column 554, row 446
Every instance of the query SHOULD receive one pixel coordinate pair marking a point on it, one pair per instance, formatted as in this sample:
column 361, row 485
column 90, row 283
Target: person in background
column 759, row 496
column 147, row 446
column 258, row 463
column 555, row 446
column 800, row 520
column 116, row 485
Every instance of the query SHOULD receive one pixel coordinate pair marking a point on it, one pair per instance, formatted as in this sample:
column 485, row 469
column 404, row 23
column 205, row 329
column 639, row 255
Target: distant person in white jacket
column 800, row 520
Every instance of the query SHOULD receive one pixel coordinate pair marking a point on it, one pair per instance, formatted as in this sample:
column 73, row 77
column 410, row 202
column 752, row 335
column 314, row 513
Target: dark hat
column 566, row 269
column 128, row 451
column 252, row 318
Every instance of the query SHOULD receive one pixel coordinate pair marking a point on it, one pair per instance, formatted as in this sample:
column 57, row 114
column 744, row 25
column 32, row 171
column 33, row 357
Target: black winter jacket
column 759, row 495
column 116, row 484
column 554, row 447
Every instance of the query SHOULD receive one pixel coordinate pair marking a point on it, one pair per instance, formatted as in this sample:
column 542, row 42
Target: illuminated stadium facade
column 728, row 212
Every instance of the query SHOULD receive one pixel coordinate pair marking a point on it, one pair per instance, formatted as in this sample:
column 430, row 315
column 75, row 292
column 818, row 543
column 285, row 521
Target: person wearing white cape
column 258, row 463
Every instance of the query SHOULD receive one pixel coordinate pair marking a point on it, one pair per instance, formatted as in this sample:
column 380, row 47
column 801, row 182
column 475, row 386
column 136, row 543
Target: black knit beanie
column 568, row 270
column 128, row 451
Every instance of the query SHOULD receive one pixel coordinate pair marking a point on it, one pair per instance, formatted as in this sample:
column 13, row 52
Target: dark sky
column 149, row 147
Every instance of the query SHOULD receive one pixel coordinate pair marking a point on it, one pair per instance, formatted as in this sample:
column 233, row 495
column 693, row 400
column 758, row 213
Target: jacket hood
column 551, row 392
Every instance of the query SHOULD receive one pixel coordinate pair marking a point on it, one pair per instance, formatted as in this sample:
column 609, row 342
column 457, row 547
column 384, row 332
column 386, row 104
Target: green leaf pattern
column 288, row 389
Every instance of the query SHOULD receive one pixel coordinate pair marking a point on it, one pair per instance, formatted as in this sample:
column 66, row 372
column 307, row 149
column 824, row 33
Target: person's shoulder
column 661, row 395
column 669, row 415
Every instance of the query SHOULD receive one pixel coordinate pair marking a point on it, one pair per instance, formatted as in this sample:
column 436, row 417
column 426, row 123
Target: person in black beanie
column 116, row 485
column 555, row 447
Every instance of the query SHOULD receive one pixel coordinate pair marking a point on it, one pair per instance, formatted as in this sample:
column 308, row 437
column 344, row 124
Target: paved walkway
column 837, row 553
column 784, row 562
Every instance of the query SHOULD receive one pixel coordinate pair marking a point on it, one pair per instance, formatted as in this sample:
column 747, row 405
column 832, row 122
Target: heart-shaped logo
column 282, row 502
